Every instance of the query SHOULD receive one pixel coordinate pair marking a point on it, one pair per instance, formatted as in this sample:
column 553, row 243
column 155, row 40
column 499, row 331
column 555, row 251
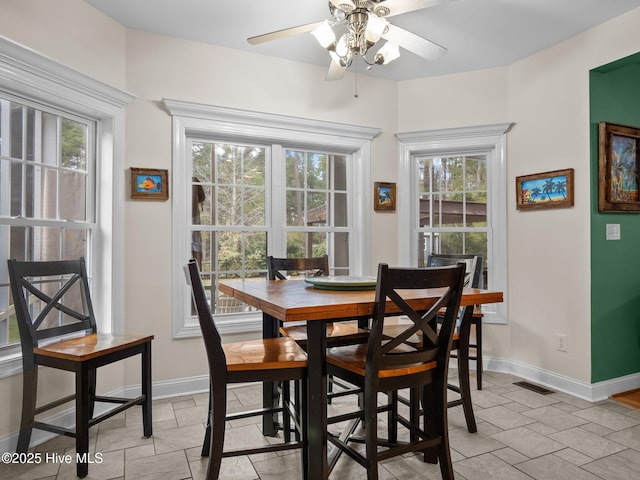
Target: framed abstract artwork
column 618, row 157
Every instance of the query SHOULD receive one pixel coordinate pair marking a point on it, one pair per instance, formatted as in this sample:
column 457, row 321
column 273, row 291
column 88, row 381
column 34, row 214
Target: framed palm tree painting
column 545, row 190
column 384, row 196
column 618, row 148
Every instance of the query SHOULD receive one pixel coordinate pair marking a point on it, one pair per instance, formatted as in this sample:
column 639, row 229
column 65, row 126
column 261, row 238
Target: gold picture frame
column 149, row 184
column 384, row 196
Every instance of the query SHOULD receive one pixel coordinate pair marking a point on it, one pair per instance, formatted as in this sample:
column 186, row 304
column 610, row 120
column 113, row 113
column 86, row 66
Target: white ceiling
column 478, row 34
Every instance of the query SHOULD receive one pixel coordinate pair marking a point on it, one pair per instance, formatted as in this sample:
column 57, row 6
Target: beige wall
column 153, row 67
column 545, row 95
column 547, row 98
column 220, row 76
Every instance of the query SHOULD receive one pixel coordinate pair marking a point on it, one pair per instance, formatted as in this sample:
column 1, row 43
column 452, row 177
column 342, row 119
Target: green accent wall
column 614, row 91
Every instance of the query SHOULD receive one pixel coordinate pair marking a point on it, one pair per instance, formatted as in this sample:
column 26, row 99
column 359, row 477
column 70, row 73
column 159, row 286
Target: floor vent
column 534, row 388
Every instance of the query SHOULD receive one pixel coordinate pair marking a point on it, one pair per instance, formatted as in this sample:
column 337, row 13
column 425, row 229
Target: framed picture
column 618, row 147
column 545, row 190
column 384, row 196
column 149, row 184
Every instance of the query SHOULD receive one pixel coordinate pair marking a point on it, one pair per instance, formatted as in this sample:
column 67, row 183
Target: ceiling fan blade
column 415, row 44
column 336, row 71
column 396, row 7
column 267, row 37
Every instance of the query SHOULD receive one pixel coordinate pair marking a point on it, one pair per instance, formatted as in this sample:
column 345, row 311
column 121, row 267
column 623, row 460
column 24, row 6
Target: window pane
column 295, row 169
column 16, row 189
column 340, row 210
column 202, row 156
column 317, row 209
column 452, row 194
column 316, row 197
column 295, row 208
column 9, row 334
column 15, row 131
column 73, row 185
column 75, row 243
column 253, row 207
column 74, row 145
column 316, row 171
column 340, row 172
column 306, row 244
column 43, row 178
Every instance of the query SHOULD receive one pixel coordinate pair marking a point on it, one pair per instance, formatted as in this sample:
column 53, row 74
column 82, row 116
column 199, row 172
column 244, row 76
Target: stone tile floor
column 521, row 435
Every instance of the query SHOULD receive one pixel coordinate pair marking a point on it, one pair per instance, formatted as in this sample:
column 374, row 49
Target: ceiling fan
column 356, row 26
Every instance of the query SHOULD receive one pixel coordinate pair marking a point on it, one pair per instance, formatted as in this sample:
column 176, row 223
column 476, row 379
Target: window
column 61, row 186
column 260, row 184
column 317, row 218
column 457, row 199
column 452, row 203
column 46, row 190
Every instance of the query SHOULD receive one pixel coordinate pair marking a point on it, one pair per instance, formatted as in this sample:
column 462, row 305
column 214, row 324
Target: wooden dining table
column 295, row 301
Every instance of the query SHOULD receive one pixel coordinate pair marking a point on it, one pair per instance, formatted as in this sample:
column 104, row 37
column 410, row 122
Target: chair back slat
column 473, row 274
column 384, row 352
column 212, row 340
column 51, row 299
column 318, row 266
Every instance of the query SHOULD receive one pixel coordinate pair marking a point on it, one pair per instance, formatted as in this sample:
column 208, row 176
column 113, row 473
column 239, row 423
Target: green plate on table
column 342, row 283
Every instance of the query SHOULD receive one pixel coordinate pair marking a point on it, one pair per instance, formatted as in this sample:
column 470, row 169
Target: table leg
column 317, row 400
column 269, row 389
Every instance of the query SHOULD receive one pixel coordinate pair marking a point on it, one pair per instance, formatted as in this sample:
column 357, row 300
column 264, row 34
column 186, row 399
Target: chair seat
column 87, row 347
column 266, row 354
column 353, row 359
column 336, row 331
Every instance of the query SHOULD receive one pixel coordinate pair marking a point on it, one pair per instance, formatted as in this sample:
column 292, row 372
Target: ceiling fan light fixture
column 376, row 27
column 325, row 35
column 387, row 53
column 342, row 47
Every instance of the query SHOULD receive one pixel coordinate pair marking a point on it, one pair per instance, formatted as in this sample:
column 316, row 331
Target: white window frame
column 488, row 140
column 29, row 75
column 194, row 119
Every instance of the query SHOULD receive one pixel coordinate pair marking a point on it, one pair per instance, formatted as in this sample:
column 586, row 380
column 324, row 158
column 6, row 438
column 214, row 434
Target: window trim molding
column 28, row 74
column 486, row 138
column 192, row 119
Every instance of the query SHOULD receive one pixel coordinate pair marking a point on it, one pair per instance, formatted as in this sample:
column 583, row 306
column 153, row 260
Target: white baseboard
column 592, row 392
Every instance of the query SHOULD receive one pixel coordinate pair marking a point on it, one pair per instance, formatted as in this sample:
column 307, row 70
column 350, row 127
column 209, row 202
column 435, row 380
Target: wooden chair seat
column 266, row 354
column 90, row 346
column 353, row 358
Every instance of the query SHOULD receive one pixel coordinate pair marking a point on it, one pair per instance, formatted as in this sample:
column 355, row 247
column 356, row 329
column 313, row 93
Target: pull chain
column 355, row 95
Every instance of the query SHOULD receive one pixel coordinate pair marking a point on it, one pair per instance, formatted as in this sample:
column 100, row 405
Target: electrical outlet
column 562, row 344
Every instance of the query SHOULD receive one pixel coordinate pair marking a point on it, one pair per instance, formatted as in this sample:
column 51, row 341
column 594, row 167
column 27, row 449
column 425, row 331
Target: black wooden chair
column 388, row 364
column 58, row 330
column 461, row 335
column 473, row 278
column 338, row 333
column 272, row 360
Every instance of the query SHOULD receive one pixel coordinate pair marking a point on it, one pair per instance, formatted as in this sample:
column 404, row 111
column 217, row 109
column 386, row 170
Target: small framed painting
column 149, row 184
column 545, row 190
column 384, row 196
column 618, row 157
